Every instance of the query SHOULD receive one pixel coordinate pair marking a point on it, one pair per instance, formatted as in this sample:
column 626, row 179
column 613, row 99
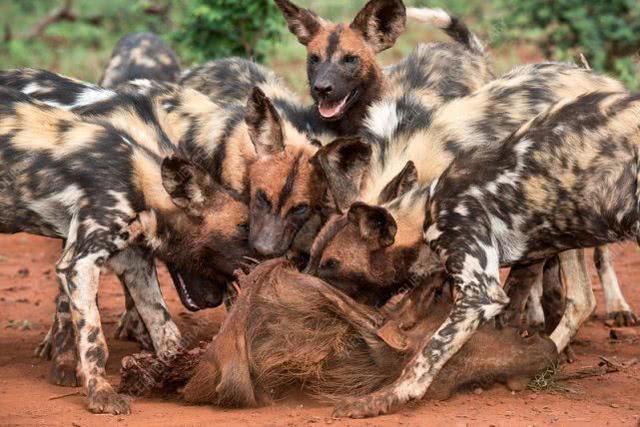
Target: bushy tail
column 454, row 27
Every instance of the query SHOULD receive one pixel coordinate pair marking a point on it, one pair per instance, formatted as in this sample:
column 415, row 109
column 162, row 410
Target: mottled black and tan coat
column 378, row 241
column 345, row 77
column 567, row 179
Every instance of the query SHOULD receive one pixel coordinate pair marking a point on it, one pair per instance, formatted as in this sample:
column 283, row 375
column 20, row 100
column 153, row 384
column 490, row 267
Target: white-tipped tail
column 454, row 27
column 436, row 17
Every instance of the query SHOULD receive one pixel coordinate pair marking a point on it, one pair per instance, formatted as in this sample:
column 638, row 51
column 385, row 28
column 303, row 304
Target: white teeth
column 185, row 293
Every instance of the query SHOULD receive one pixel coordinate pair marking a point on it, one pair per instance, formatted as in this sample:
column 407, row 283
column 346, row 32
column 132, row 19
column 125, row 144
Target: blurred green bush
column 213, row 29
column 607, row 32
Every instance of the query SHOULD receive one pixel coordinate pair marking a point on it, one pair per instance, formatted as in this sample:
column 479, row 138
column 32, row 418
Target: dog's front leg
column 79, row 273
column 136, row 269
column 478, row 298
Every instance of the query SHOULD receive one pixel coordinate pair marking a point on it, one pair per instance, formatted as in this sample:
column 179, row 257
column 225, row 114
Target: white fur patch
column 31, row 88
column 91, row 95
column 436, row 17
column 383, row 119
column 57, row 209
column 432, row 233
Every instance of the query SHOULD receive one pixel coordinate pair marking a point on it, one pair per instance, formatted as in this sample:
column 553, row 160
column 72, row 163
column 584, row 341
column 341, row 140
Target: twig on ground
column 62, row 396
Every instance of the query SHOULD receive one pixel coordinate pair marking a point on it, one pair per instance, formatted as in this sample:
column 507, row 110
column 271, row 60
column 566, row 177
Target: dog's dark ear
column 381, row 22
column 343, row 163
column 303, row 23
column 188, row 185
column 403, row 182
column 264, row 124
column 375, row 223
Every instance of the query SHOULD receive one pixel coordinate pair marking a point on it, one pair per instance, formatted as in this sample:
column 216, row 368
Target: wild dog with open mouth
column 379, row 248
column 195, row 291
column 567, row 179
column 114, row 175
column 345, row 77
column 141, row 56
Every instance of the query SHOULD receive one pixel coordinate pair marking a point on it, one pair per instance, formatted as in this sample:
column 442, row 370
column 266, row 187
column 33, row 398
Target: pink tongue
column 328, row 110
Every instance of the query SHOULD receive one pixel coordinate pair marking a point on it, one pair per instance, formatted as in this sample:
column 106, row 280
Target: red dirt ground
column 28, row 286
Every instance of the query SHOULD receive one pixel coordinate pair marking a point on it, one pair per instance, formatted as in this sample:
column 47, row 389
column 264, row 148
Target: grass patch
column 546, row 381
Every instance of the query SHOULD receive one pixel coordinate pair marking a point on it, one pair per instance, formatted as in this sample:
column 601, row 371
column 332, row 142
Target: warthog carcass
column 290, row 331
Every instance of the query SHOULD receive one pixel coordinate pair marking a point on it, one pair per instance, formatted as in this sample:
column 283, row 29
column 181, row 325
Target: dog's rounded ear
column 402, row 183
column 264, row 124
column 328, row 231
column 381, row 22
column 342, row 164
column 375, row 223
column 302, row 23
column 188, row 185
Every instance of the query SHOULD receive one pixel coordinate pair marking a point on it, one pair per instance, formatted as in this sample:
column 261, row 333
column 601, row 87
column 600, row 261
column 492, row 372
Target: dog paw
column 623, row 318
column 365, row 407
column 64, row 373
column 107, row 401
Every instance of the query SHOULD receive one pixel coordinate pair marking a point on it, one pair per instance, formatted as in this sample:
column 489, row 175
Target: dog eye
column 330, row 264
column 262, row 200
column 350, row 59
column 244, row 227
column 314, row 59
column 300, row 210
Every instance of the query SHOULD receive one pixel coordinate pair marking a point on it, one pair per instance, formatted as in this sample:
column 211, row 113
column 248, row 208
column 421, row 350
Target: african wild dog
column 114, row 176
column 195, row 291
column 345, row 77
column 231, row 80
column 567, row 179
column 379, row 249
column 141, row 56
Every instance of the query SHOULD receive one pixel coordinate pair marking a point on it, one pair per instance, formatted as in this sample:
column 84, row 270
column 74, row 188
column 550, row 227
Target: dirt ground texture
column 28, row 287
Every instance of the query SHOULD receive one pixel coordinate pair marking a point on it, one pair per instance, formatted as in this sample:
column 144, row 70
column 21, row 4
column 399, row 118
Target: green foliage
column 221, row 28
column 607, row 32
column 80, row 47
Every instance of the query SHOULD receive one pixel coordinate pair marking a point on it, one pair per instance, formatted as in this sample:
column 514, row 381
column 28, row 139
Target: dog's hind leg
column 617, row 307
column 580, row 301
column 519, row 286
column 59, row 345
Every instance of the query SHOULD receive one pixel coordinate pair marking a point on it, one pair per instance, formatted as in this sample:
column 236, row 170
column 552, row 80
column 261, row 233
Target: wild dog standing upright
column 345, row 77
column 593, row 143
column 115, row 177
column 59, row 344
